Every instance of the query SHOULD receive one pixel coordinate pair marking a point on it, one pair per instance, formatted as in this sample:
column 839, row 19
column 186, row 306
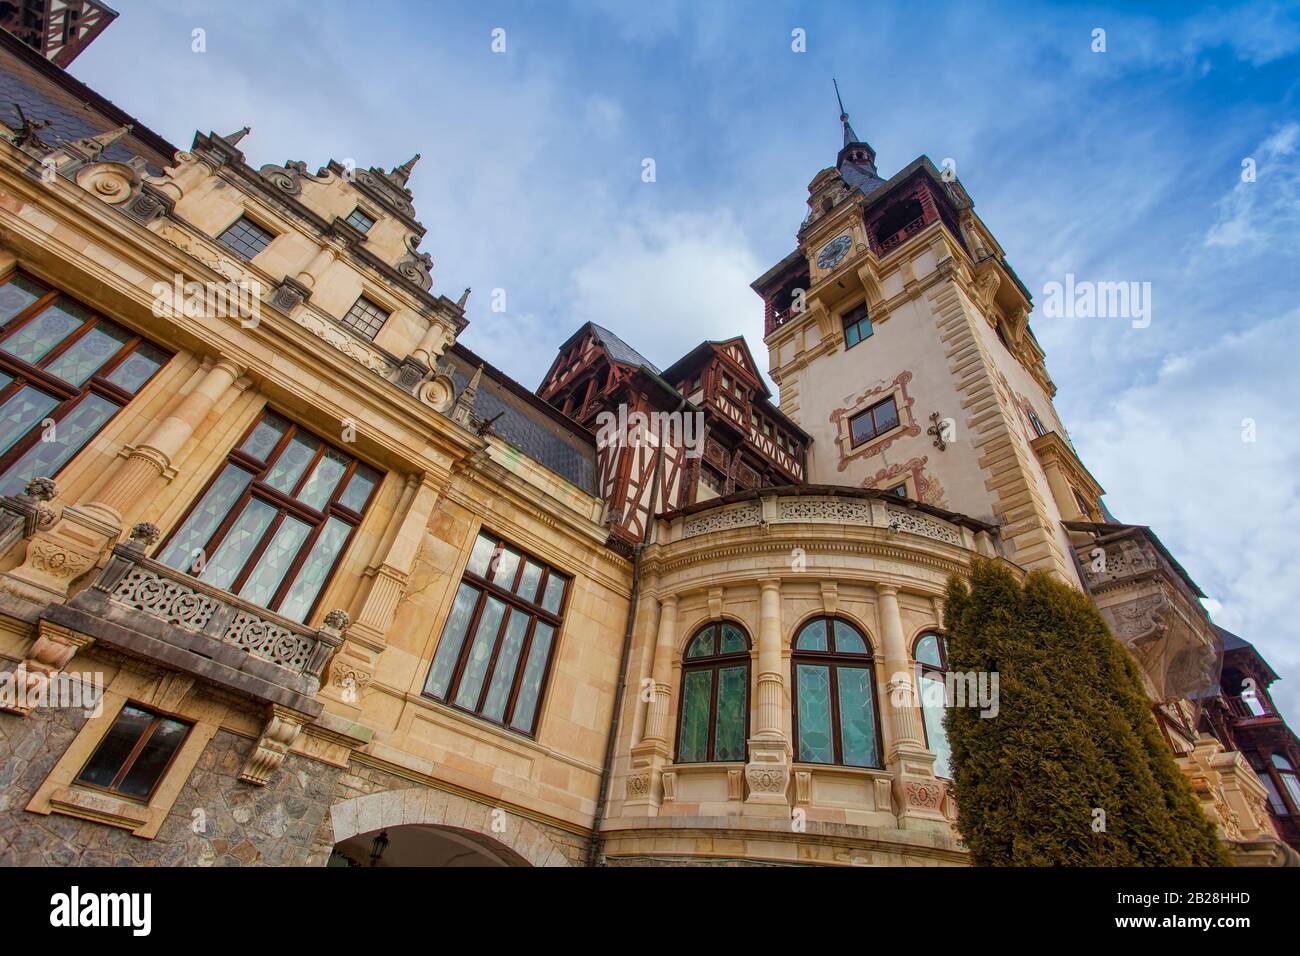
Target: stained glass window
column 273, row 523
column 714, row 710
column 834, row 695
column 496, row 646
column 931, row 653
column 64, row 372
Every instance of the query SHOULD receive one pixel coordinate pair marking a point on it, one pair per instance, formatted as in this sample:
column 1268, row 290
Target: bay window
column 931, row 656
column 274, row 521
column 713, row 722
column 65, row 371
column 835, row 718
column 496, row 648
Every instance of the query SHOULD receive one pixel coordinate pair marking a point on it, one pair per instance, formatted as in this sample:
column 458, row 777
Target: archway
column 432, row 825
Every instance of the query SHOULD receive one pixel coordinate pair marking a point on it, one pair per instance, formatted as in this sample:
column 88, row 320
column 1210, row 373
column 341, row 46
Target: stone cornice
column 1053, row 448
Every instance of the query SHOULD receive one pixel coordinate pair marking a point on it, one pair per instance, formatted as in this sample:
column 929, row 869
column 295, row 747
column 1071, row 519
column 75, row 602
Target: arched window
column 834, row 700
column 931, row 656
column 1286, row 772
column 714, row 718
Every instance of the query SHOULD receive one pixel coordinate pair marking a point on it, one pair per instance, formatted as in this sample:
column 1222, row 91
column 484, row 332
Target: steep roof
column 620, row 351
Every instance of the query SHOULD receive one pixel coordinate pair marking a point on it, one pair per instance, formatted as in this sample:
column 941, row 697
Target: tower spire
column 849, row 135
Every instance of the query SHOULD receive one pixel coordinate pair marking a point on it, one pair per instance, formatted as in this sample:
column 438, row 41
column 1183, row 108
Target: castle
column 290, row 575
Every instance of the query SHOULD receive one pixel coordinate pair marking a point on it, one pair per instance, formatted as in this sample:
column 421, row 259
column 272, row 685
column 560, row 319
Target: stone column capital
column 770, row 584
column 887, row 590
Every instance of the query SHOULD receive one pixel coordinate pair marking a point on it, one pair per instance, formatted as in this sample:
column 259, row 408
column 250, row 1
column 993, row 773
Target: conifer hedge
column 1074, row 732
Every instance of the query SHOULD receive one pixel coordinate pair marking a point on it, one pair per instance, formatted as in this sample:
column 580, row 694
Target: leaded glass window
column 496, row 646
column 245, row 238
column 713, row 722
column 931, row 655
column 835, row 714
column 273, row 523
column 366, row 317
column 64, row 373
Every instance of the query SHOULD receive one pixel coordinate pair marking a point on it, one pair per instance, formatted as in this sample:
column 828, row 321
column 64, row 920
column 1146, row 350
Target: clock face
column 833, row 252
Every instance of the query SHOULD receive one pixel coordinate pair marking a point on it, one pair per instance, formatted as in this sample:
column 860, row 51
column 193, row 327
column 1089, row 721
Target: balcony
column 146, row 609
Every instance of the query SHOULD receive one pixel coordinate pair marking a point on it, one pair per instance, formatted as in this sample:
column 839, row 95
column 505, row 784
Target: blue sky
column 1117, row 166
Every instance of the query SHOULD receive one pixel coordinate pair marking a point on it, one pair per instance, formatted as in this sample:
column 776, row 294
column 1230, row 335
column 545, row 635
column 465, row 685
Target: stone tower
column 898, row 335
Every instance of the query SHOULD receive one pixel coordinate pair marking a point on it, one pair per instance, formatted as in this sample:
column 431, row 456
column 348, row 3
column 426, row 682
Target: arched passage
column 436, row 819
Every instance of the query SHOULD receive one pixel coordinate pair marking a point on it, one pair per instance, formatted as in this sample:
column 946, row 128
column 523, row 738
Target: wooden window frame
column 834, row 660
column 512, row 601
column 846, row 321
column 870, row 410
column 286, row 505
column 69, row 396
column 714, row 663
column 158, row 716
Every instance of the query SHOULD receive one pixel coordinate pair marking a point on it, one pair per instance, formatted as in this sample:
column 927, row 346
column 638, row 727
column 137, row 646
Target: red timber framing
column 725, row 434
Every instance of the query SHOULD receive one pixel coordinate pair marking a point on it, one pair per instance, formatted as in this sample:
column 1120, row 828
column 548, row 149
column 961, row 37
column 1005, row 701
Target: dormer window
column 245, row 238
column 359, row 220
column 365, row 318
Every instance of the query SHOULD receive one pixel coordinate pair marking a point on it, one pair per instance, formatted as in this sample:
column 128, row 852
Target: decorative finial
column 464, row 297
column 403, row 172
column 96, row 145
column 234, row 138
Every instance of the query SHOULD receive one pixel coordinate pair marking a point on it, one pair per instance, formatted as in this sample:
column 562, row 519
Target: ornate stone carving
column 288, row 295
column 415, row 265
column 145, row 532
column 165, row 598
column 270, row 641
column 337, row 619
column 836, row 510
column 767, row 779
column 923, row 795
column 916, row 523
column 638, row 785
column 112, row 182
column 282, row 729
column 288, row 178
column 742, row 517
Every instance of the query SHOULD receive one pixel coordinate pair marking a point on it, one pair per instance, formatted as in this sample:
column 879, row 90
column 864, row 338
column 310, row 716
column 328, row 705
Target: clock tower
column 898, row 335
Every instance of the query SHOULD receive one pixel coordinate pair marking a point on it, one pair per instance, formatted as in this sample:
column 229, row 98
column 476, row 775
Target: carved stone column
column 649, row 756
column 355, row 663
column 768, row 770
column 72, row 546
column 152, row 458
column 918, row 794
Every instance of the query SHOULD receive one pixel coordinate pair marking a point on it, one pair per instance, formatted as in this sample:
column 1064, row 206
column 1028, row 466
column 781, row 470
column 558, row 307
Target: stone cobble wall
column 239, row 824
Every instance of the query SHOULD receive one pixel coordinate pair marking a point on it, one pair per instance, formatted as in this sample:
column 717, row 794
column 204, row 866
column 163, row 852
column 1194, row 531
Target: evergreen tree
column 1074, row 734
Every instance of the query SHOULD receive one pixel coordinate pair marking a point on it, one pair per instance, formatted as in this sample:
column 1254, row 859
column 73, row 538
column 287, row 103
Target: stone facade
column 319, row 735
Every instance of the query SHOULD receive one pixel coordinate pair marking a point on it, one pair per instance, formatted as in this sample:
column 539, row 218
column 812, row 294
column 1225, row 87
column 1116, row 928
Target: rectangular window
column 857, row 326
column 273, row 523
column 495, row 650
column 359, row 220
column 64, row 373
column 1037, row 424
column 245, row 238
column 366, row 318
column 135, row 753
column 876, row 420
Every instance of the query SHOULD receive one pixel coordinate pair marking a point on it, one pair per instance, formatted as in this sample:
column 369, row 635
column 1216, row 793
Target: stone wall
column 240, row 825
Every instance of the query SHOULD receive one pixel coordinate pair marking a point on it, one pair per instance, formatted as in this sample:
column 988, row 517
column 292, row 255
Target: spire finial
column 843, row 115
column 403, row 172
column 234, row 138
